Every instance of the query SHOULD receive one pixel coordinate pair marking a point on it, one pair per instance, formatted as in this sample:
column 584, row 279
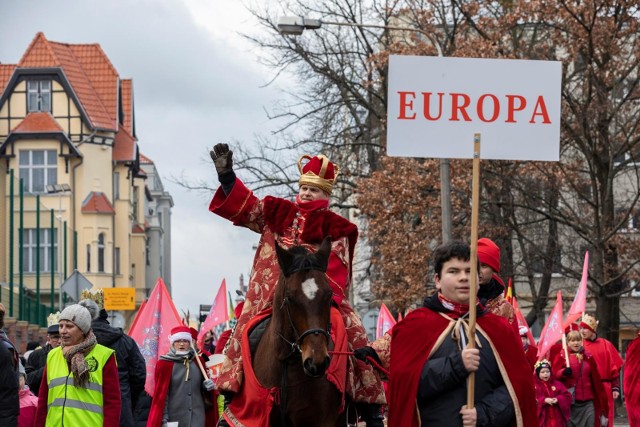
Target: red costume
column 164, row 369
column 584, row 373
column 632, row 382
column 419, row 335
column 289, row 224
column 609, row 362
column 555, row 413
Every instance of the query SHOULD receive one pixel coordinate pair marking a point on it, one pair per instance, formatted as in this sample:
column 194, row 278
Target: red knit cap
column 318, row 172
column 489, row 254
column 571, row 327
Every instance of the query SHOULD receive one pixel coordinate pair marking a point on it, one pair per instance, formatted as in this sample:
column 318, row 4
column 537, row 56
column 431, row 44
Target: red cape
column 164, row 368
column 409, row 354
column 632, row 382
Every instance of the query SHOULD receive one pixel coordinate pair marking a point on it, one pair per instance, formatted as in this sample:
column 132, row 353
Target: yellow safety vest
column 72, row 406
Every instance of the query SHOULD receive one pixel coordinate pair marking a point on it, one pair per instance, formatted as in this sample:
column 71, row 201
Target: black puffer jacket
column 35, row 367
column 9, row 402
column 131, row 365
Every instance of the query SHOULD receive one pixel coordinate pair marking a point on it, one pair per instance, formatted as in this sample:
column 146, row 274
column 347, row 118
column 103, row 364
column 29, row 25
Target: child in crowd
column 554, row 400
column 28, row 402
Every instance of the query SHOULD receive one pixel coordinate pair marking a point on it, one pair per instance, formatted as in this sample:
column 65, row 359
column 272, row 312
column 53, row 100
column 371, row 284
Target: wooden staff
column 564, row 347
column 473, row 285
column 199, row 363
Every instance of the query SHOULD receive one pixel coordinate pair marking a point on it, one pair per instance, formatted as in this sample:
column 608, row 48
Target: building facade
column 67, row 138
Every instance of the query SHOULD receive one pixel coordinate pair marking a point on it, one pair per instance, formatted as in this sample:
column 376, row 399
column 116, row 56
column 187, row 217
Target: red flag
column 579, row 305
column 385, row 321
column 219, row 313
column 521, row 320
column 399, row 316
column 151, row 329
column 553, row 329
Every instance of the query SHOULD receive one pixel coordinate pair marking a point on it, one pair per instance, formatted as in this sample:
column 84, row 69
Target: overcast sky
column 196, row 82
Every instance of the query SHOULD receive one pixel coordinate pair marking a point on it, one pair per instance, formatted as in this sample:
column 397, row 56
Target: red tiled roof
column 97, row 202
column 6, row 70
column 126, row 92
column 136, row 229
column 145, row 160
column 38, row 122
column 91, row 75
column 124, row 147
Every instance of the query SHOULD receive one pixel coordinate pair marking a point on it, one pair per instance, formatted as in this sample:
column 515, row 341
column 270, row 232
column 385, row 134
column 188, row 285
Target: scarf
column 74, row 356
column 314, row 205
column 185, row 359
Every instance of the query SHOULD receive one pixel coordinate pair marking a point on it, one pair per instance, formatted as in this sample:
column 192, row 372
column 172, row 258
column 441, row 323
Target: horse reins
column 296, row 345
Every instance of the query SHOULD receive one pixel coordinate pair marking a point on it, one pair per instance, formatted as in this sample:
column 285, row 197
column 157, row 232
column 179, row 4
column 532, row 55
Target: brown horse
column 293, row 353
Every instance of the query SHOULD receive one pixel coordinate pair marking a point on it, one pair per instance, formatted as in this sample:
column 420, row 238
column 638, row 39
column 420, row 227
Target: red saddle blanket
column 252, row 405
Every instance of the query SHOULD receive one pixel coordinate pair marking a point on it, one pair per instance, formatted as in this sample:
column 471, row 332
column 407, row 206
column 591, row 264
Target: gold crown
column 590, row 321
column 52, row 319
column 96, row 296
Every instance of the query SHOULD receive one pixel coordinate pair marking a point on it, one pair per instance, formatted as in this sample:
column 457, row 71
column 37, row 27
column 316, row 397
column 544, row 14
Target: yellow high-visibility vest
column 69, row 405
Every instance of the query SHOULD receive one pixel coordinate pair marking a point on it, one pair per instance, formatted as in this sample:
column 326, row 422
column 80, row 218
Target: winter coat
column 35, row 367
column 9, row 402
column 132, row 371
column 28, row 406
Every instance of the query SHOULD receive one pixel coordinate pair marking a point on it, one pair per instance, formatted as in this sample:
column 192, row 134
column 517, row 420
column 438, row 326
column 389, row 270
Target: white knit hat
column 79, row 315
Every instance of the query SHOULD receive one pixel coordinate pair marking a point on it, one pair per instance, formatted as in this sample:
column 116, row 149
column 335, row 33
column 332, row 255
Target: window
column 39, row 95
column 116, row 185
column 38, row 168
column 88, row 258
column 29, row 248
column 116, row 261
column 101, row 253
column 135, row 205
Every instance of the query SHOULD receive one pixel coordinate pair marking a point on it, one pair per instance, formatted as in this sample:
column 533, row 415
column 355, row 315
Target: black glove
column 567, row 372
column 222, row 159
column 362, row 353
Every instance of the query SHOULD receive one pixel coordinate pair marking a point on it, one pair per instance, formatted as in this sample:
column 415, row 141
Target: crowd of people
column 91, row 373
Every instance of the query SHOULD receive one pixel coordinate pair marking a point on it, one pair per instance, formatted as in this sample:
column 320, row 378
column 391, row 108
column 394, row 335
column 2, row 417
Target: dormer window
column 39, row 95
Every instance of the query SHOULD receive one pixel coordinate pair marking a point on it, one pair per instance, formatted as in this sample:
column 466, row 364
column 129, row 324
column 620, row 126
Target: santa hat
column 318, row 172
column 589, row 322
column 522, row 330
column 180, row 333
column 489, row 254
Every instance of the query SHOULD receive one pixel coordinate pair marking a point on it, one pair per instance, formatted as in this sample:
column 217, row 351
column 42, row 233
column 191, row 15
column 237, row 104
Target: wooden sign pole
column 473, row 284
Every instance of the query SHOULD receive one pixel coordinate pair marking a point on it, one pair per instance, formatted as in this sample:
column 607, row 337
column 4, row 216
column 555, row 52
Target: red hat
column 571, row 327
column 489, row 254
column 589, row 322
column 318, row 172
column 181, row 332
column 522, row 330
column 238, row 309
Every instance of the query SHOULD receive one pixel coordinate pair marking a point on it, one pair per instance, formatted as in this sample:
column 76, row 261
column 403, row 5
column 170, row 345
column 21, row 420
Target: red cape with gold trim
column 416, row 337
column 632, row 382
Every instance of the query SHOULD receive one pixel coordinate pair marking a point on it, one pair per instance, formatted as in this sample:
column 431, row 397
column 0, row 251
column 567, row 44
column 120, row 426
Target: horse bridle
column 296, row 345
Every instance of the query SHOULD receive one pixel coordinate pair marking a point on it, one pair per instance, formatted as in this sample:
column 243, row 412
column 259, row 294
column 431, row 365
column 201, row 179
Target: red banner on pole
column 385, row 321
column 553, row 329
column 152, row 327
column 219, row 313
column 579, row 304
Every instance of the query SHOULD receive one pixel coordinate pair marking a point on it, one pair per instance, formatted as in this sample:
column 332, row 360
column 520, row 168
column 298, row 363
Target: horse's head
column 304, row 297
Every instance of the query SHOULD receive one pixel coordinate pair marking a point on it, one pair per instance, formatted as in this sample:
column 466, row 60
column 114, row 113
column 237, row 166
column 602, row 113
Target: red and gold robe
column 609, row 363
column 289, row 224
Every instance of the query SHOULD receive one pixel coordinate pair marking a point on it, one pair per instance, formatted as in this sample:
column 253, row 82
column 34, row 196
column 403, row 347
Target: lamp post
column 59, row 189
column 295, row 25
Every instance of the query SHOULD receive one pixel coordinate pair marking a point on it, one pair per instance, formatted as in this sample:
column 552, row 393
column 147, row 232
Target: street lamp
column 59, row 189
column 295, row 26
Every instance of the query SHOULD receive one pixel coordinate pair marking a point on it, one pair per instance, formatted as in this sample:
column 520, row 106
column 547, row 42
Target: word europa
column 487, row 107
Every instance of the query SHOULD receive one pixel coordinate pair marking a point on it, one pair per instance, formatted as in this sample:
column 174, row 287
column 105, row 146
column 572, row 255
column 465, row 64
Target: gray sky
column 196, row 82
